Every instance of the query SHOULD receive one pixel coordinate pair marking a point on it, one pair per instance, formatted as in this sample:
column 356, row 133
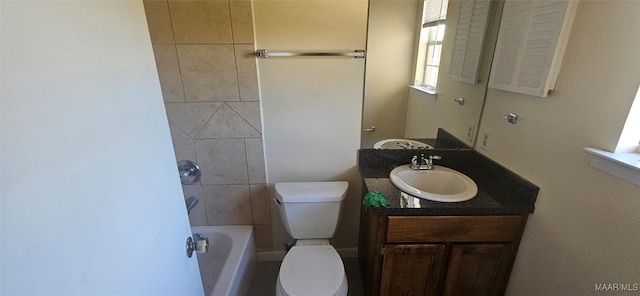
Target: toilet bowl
column 310, row 212
column 312, row 270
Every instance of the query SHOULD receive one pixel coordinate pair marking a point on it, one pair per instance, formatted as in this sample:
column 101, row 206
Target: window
column 624, row 161
column 430, row 47
column 630, row 137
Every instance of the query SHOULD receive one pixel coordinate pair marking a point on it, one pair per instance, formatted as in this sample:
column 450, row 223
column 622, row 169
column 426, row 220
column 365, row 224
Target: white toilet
column 310, row 212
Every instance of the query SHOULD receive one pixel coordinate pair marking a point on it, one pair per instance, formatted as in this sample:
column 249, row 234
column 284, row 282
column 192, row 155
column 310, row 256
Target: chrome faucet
column 423, row 163
column 406, row 145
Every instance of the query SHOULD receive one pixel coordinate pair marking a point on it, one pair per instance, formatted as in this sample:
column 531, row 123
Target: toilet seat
column 312, row 270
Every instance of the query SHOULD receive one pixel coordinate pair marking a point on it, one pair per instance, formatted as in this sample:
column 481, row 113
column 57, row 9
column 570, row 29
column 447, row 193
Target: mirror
column 398, row 111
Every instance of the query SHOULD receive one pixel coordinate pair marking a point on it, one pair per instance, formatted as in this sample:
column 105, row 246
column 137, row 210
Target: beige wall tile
column 250, row 111
column 198, row 214
column 227, row 204
column 247, row 72
column 201, row 22
column 159, row 21
column 208, row 72
column 264, row 237
column 227, row 123
column 260, row 210
column 184, row 149
column 197, row 75
column 241, row 21
column 190, row 117
column 169, row 73
column 222, row 161
column 176, row 132
column 255, row 160
column 182, row 143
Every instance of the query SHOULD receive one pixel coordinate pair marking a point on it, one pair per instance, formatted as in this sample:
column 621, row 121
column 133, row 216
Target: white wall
column 91, row 199
column 312, row 106
column 586, row 227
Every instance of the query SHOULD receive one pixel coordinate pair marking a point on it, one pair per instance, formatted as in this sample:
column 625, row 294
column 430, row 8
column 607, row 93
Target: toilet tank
column 311, row 210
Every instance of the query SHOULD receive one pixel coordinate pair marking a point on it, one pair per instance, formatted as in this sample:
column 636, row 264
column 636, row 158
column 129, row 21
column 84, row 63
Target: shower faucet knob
column 198, row 243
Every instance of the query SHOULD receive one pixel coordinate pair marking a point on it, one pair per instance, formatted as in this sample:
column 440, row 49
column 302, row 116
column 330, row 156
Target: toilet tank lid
column 311, row 191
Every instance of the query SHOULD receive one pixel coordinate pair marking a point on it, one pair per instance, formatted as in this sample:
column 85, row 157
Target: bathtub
column 228, row 268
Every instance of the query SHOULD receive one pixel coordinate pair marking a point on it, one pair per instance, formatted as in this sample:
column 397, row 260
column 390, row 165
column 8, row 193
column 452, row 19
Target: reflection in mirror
column 401, row 144
column 400, row 111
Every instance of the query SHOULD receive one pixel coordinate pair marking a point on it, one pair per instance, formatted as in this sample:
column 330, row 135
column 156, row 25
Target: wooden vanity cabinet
column 438, row 255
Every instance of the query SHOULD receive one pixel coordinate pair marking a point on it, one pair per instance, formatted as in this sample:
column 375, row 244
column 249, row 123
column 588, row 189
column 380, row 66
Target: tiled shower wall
column 204, row 54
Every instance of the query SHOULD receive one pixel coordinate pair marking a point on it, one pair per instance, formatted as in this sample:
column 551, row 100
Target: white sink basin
column 401, row 144
column 440, row 184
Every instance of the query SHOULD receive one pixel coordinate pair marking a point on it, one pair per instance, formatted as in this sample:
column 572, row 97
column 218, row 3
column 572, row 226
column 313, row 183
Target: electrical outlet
column 470, row 131
column 484, row 141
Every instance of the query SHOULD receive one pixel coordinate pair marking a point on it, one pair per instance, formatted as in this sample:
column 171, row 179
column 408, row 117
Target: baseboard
column 348, row 252
column 279, row 255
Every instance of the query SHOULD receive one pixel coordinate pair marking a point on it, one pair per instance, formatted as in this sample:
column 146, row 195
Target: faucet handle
column 414, row 162
column 436, row 157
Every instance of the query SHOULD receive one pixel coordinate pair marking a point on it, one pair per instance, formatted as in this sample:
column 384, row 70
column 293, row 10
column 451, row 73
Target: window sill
column 427, row 93
column 622, row 165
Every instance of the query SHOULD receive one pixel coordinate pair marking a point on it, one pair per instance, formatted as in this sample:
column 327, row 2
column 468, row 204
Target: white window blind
column 469, row 40
column 431, row 37
column 434, row 11
column 531, row 43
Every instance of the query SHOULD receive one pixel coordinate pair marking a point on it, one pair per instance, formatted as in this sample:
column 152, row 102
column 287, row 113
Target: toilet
column 310, row 211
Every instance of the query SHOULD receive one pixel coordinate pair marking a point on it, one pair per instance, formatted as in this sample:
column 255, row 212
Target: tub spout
column 191, row 203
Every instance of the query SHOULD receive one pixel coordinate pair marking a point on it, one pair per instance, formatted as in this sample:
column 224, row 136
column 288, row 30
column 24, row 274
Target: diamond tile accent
column 250, row 111
column 191, row 117
column 227, row 123
column 177, row 133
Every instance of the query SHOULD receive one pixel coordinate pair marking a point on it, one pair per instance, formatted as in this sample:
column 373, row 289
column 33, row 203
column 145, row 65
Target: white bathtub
column 228, row 268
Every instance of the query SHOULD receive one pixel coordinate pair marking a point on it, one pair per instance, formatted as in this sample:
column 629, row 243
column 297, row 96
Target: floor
column 264, row 281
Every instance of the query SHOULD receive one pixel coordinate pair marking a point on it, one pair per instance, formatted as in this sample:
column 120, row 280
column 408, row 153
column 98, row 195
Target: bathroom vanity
column 421, row 247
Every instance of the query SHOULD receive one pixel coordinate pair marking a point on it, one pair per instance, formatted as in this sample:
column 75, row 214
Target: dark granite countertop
column 500, row 191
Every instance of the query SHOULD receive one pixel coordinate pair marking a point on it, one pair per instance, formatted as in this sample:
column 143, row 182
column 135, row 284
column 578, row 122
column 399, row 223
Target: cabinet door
column 478, row 269
column 412, row 269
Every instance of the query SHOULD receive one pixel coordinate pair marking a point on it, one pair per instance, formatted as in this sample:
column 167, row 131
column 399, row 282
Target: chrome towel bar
column 263, row 53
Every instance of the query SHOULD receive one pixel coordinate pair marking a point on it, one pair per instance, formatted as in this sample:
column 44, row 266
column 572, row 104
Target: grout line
column 235, row 61
column 204, row 203
column 235, row 55
column 250, row 191
column 175, row 48
column 233, row 38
